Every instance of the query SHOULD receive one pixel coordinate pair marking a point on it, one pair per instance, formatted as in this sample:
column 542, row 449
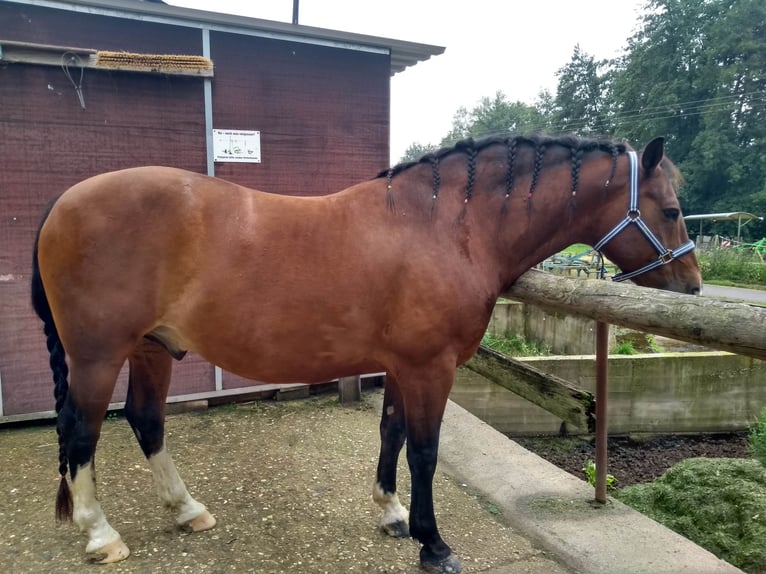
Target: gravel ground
column 288, row 482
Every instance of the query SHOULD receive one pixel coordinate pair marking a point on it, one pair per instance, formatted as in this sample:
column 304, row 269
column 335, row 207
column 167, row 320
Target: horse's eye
column 671, row 214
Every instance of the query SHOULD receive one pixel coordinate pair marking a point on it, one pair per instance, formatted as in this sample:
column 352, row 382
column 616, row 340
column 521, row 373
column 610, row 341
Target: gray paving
column 734, row 293
column 555, row 510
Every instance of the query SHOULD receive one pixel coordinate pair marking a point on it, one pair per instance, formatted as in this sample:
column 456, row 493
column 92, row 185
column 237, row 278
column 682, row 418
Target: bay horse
column 398, row 274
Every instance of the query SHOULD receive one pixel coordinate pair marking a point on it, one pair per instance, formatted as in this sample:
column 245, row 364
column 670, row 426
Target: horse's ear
column 653, row 154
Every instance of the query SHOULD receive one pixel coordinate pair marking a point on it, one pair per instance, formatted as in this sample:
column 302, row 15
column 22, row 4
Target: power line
column 756, row 103
column 661, row 113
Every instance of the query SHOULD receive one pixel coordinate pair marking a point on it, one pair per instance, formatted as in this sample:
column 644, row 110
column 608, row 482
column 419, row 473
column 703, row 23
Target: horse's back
column 149, row 189
column 144, row 201
column 128, row 243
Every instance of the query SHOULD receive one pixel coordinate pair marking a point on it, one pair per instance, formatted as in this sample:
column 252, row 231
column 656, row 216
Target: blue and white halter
column 634, row 216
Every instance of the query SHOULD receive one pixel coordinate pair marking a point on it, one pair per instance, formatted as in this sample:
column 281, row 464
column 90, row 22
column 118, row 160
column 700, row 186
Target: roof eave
column 726, row 216
column 402, row 54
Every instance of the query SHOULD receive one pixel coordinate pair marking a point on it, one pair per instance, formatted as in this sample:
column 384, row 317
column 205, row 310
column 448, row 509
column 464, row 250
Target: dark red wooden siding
column 323, row 114
column 49, row 142
column 41, row 25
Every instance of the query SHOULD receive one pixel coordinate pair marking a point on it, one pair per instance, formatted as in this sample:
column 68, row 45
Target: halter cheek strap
column 634, row 216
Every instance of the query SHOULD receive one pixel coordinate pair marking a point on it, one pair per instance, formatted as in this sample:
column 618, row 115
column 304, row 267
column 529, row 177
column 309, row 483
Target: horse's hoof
column 204, row 521
column 398, row 529
column 112, row 552
column 448, row 565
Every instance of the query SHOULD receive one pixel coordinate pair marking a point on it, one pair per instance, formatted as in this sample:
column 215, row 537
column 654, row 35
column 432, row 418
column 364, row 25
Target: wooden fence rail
column 734, row 327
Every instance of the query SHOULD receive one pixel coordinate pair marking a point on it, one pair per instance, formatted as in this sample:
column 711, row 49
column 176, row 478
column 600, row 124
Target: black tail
column 60, row 374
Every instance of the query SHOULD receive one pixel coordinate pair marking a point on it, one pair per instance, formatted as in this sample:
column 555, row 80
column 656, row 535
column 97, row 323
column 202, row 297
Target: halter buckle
column 667, row 257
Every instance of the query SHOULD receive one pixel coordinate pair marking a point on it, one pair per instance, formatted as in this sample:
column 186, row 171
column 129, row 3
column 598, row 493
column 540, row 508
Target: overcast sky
column 515, row 46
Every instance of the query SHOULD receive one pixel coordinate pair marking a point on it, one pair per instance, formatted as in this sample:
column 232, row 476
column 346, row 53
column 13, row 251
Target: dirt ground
column 635, row 461
column 289, row 483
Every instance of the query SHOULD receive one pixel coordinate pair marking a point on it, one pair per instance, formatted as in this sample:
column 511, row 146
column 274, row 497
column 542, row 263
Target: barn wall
column 49, row 142
column 322, row 112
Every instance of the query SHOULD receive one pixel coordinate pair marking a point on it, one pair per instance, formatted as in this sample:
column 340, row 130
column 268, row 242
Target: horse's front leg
column 149, row 379
column 424, row 392
column 392, row 435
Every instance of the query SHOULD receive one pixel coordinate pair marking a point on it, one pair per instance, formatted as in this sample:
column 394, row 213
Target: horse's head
column 649, row 241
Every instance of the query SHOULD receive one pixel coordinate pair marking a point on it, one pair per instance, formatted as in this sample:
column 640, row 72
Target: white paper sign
column 237, row 146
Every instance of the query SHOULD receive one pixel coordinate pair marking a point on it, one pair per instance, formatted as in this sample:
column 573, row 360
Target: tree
column 417, row 150
column 494, row 116
column 694, row 73
column 579, row 104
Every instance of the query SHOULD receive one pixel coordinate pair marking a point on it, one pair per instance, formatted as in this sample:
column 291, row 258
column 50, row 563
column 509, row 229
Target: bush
column 719, row 504
column 624, row 348
column 731, row 266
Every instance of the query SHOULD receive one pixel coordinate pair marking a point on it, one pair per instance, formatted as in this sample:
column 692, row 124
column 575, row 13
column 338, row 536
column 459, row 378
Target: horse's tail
column 60, row 374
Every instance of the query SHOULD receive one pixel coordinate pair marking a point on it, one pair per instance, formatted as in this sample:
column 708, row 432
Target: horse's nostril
column 694, row 290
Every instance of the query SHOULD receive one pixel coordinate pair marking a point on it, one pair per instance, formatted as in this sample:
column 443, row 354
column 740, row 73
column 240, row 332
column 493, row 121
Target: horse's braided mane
column 571, row 142
column 578, row 147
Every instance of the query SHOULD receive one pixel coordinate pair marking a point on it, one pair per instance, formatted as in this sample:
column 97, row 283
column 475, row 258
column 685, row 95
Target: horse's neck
column 500, row 234
column 539, row 225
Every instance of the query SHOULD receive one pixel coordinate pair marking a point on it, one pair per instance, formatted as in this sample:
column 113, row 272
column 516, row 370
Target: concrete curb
column 554, row 509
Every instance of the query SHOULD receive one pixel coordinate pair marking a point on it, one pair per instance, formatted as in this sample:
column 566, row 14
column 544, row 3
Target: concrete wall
column 562, row 334
column 652, row 393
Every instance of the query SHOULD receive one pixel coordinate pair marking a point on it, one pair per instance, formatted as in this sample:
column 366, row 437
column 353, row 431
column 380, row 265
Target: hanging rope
column 71, row 60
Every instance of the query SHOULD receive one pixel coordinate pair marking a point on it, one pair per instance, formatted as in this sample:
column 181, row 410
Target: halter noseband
column 634, row 216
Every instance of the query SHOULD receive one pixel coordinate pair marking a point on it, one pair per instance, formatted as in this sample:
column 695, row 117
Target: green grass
column 718, row 503
column 513, row 346
column 576, row 248
column 757, row 439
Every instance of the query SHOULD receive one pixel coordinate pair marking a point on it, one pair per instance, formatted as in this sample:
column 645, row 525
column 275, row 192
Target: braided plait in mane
column 539, row 153
column 389, row 189
column 436, row 177
column 511, row 144
column 436, row 184
column 472, row 153
column 577, row 154
column 615, row 152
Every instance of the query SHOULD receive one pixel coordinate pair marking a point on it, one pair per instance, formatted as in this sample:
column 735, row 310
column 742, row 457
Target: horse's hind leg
column 150, row 366
column 80, row 421
column 392, row 436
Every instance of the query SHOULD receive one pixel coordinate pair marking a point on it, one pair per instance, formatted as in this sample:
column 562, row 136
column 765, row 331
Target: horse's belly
column 276, row 361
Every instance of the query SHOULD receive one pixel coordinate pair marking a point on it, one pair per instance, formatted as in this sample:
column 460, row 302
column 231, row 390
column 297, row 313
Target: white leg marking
column 172, row 489
column 87, row 511
column 393, row 511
